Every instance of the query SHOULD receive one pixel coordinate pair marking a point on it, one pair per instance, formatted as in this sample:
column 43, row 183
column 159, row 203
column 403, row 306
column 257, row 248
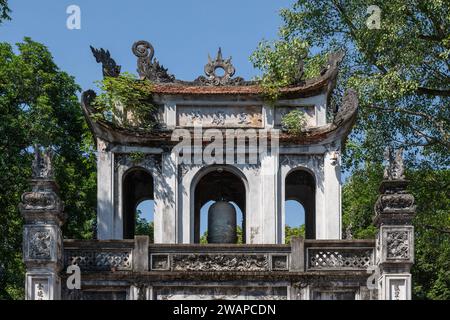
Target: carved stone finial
column 110, row 68
column 212, row 78
column 147, row 67
column 42, row 163
column 394, row 169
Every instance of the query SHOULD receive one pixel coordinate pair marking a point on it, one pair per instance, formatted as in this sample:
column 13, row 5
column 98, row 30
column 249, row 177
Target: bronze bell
column 222, row 223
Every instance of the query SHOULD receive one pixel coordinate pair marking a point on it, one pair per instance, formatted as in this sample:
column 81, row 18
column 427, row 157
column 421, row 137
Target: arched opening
column 300, row 200
column 216, row 185
column 137, row 187
column 144, row 219
column 294, row 220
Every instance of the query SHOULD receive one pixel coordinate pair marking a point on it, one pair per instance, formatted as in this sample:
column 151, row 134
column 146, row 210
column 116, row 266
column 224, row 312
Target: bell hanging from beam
column 222, row 223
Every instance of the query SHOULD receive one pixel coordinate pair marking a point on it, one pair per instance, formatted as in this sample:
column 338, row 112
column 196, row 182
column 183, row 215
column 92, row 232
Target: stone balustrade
column 138, row 255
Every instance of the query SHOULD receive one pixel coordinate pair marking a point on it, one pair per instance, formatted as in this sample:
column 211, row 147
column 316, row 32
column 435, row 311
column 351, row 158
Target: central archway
column 215, row 183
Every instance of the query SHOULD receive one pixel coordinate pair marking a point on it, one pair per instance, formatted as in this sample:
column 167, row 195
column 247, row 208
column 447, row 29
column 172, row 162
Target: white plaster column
column 269, row 190
column 328, row 224
column 166, row 218
column 254, row 212
column 105, row 194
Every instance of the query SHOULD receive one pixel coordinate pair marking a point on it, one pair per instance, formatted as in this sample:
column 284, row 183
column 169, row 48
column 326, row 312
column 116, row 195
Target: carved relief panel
column 41, row 243
column 220, row 116
column 397, row 244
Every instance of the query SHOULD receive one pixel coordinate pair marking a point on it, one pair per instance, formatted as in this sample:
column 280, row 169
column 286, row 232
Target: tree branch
column 433, row 92
column 438, row 124
column 441, row 230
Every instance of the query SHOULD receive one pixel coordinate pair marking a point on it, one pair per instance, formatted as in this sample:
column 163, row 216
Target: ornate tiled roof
column 213, row 83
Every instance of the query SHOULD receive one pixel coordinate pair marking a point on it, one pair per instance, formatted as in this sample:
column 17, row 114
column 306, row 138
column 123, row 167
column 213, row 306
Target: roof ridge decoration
column 147, row 67
column 213, row 79
column 110, row 67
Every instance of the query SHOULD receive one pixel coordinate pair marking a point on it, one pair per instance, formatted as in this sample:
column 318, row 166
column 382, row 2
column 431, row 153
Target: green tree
column 290, row 232
column 143, row 227
column 4, row 11
column 402, row 74
column 39, row 104
column 401, row 71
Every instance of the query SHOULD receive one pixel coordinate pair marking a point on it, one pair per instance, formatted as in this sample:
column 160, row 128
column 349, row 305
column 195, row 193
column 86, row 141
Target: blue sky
column 182, row 33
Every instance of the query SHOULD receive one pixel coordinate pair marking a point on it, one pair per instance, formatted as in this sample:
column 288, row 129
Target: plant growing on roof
column 284, row 63
column 126, row 102
column 294, row 122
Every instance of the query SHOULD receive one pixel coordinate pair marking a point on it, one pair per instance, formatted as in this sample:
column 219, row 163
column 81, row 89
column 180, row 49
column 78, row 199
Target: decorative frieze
column 219, row 116
column 314, row 162
column 148, row 161
column 220, row 262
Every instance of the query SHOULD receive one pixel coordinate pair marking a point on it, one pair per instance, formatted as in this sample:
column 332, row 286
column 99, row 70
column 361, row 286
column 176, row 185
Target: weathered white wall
column 265, row 183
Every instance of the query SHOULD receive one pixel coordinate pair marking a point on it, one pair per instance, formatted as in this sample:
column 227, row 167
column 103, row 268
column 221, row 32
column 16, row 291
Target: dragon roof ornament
column 109, row 66
column 148, row 67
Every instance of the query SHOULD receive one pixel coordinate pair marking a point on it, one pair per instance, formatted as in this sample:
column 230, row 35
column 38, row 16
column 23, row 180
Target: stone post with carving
column 394, row 211
column 42, row 210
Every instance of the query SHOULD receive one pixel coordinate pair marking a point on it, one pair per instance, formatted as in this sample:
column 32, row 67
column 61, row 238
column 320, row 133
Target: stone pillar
column 394, row 211
column 329, row 225
column 105, row 193
column 42, row 210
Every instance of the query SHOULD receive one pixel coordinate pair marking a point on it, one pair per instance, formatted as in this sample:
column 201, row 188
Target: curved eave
column 337, row 130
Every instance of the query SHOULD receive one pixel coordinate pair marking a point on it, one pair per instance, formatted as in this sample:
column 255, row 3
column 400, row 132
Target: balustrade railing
column 318, row 255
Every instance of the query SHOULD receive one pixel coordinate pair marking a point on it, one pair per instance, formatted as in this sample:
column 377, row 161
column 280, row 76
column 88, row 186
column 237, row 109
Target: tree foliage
column 123, row 94
column 294, row 121
column 284, row 63
column 38, row 104
column 401, row 71
column 144, row 227
column 290, row 232
column 4, row 11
